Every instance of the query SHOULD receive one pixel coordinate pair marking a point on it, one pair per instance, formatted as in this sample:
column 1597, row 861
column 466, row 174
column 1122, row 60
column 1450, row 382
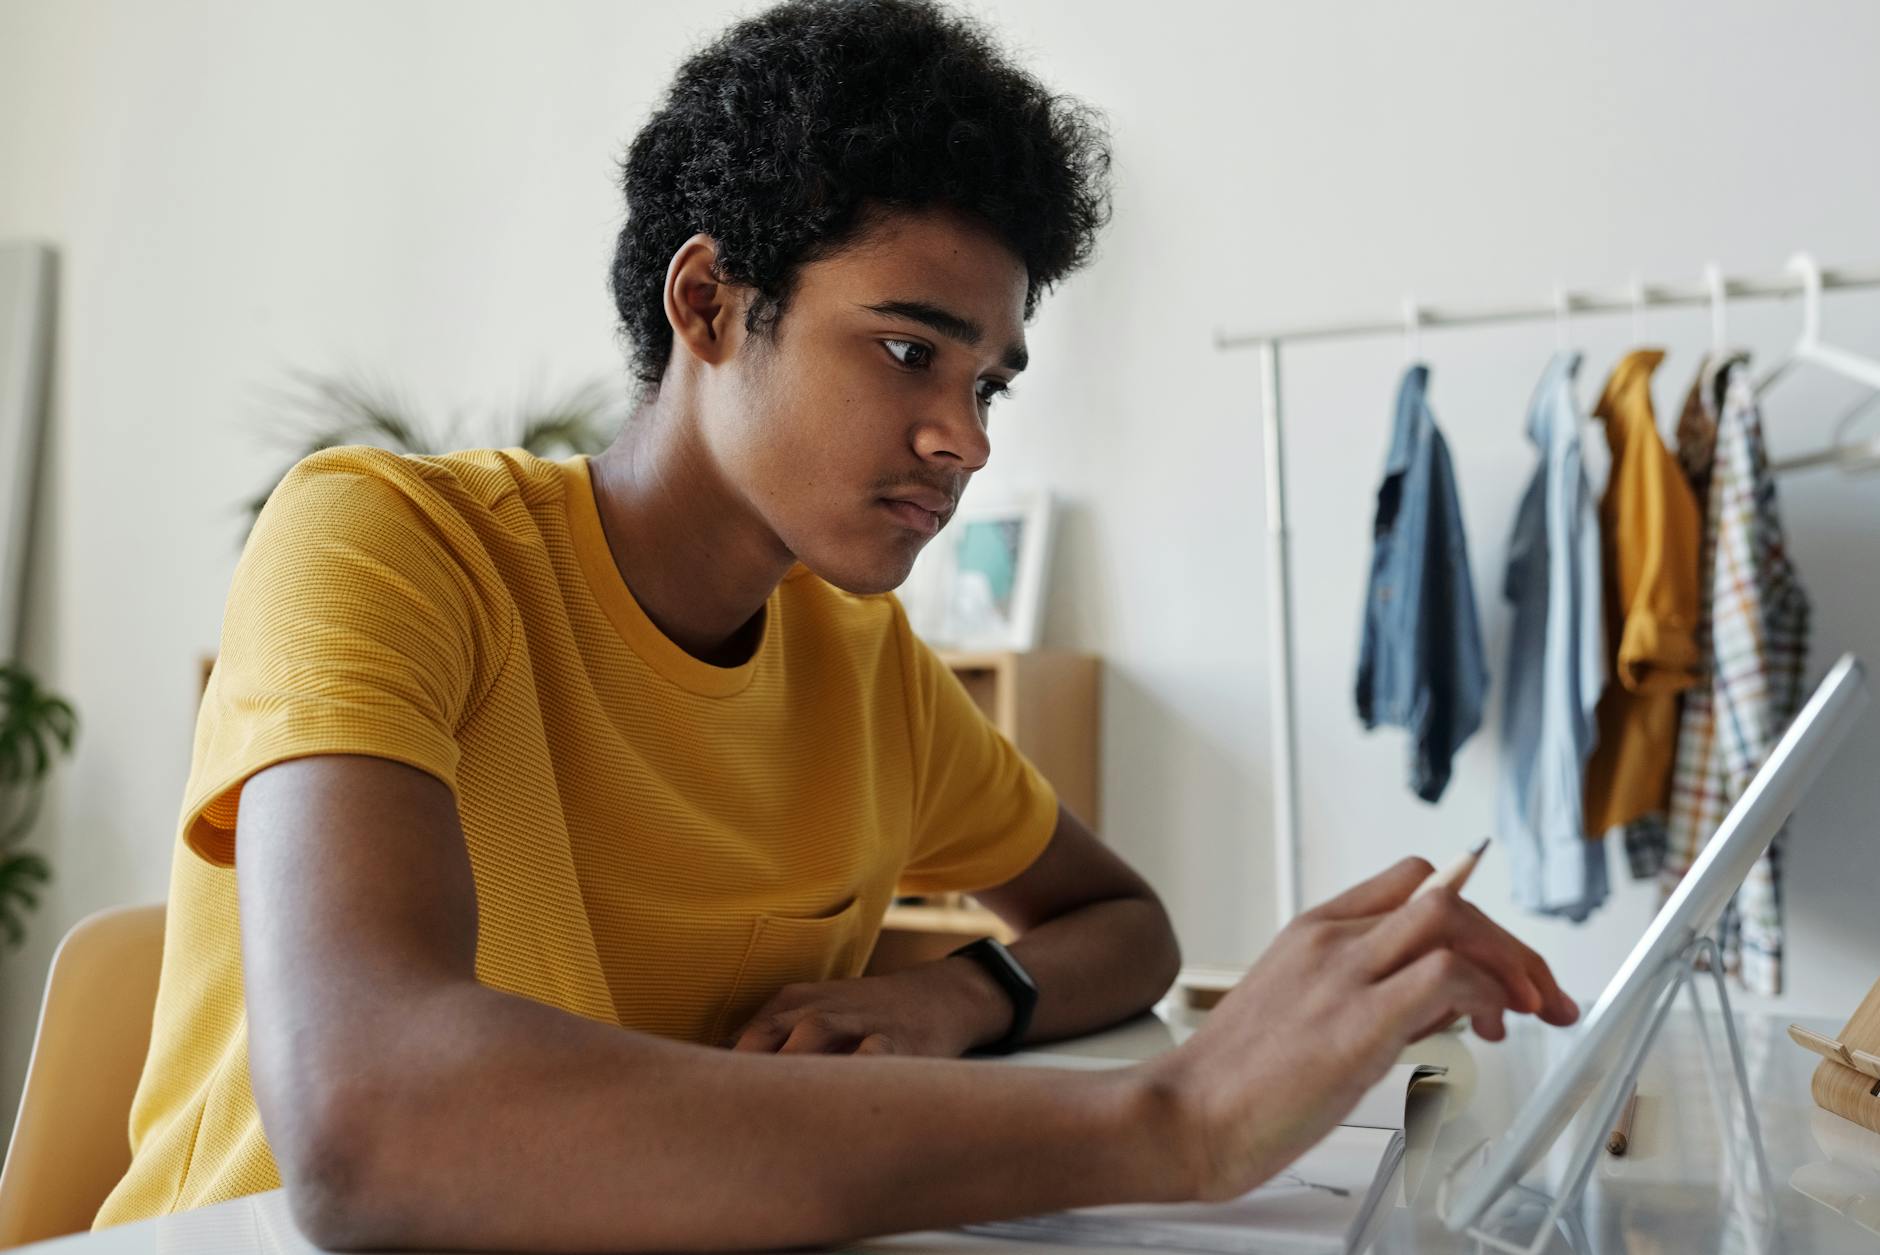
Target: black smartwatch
column 990, row 954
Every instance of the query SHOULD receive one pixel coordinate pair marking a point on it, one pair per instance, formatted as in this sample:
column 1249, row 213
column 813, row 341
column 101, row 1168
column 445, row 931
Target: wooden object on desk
column 1847, row 1080
column 1201, row 986
column 1045, row 702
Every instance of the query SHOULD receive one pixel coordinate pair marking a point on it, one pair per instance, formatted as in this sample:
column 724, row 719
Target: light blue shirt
column 1556, row 665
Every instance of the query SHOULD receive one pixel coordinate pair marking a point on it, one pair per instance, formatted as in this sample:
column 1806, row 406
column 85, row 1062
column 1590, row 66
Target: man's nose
column 955, row 435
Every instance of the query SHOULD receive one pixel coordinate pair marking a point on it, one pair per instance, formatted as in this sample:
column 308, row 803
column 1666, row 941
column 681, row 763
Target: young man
column 538, row 783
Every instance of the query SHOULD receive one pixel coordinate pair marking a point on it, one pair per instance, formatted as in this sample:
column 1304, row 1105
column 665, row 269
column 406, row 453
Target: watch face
column 1011, row 964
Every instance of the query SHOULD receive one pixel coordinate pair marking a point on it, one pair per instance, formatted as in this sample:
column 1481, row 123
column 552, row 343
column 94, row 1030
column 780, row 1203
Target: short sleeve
column 350, row 628
column 982, row 812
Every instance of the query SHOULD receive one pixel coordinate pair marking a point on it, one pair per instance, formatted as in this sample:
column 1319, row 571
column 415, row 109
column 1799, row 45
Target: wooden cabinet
column 1046, row 703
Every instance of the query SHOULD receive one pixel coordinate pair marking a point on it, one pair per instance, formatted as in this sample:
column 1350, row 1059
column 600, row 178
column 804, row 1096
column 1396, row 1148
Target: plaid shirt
column 1754, row 635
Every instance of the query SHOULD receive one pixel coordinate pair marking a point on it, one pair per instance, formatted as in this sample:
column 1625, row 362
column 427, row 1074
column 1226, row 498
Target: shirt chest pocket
column 788, row 950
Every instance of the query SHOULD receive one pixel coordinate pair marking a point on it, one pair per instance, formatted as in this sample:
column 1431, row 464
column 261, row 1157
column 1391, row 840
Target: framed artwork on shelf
column 980, row 584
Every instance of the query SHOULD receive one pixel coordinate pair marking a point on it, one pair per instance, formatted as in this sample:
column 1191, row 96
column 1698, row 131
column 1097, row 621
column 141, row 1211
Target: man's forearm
column 1093, row 966
column 494, row 1121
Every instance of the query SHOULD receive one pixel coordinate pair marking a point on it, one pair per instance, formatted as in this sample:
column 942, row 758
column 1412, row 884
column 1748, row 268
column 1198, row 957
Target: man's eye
column 995, row 389
column 917, row 354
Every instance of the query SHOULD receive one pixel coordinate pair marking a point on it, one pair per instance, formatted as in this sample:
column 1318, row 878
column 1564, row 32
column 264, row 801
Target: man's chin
column 861, row 575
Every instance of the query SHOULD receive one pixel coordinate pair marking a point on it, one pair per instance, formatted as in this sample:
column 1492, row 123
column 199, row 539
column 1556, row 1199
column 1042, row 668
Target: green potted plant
column 322, row 412
column 35, row 724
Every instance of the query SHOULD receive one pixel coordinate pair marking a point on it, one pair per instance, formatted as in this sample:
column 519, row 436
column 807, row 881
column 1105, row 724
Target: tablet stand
column 1562, row 1211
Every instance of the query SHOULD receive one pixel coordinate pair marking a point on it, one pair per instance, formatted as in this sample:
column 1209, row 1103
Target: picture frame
column 980, row 583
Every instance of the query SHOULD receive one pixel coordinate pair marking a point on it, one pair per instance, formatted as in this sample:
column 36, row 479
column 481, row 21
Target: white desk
column 1666, row 1196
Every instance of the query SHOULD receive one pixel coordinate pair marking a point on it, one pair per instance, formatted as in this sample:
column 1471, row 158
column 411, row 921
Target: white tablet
column 1692, row 911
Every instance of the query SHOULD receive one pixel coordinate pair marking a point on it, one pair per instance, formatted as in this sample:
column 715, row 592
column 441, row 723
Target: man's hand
column 942, row 1008
column 1325, row 1012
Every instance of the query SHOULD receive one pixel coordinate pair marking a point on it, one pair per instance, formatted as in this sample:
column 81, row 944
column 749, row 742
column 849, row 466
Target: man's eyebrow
column 956, row 327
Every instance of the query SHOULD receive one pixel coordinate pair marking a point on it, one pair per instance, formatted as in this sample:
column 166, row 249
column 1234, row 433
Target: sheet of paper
column 1317, row 1205
column 1382, row 1106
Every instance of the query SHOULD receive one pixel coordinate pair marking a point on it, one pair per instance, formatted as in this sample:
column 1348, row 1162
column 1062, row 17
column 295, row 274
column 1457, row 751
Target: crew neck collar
column 623, row 610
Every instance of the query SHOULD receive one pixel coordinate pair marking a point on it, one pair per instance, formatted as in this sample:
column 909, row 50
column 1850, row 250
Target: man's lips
column 918, row 518
column 931, row 500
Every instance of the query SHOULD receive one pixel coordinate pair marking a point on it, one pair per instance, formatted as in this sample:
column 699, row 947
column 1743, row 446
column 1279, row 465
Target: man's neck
column 698, row 560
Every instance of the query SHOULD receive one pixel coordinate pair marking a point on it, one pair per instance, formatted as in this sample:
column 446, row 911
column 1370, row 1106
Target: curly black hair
column 783, row 136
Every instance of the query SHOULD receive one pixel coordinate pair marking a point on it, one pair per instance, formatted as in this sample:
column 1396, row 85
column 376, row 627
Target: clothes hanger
column 1852, row 458
column 1637, row 289
column 1713, row 279
column 1563, row 342
column 1809, row 348
column 1710, row 370
column 1412, row 330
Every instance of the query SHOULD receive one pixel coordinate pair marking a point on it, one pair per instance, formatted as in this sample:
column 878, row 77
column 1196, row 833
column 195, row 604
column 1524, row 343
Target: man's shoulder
column 467, row 479
column 459, row 519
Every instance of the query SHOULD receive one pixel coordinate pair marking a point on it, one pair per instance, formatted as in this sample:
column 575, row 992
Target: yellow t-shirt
column 656, row 842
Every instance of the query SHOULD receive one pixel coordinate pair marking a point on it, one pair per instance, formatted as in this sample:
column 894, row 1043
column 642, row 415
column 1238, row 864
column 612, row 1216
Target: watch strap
column 1012, row 977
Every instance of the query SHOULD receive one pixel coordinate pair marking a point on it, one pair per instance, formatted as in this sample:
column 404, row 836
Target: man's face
column 854, row 429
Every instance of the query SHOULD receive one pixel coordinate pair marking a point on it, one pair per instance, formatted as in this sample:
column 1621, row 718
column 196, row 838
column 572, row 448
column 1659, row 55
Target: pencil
column 1457, row 873
column 1622, row 1135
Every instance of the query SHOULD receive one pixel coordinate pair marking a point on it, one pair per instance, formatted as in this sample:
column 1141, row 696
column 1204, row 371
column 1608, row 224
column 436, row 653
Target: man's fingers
column 1385, row 891
column 1556, row 1007
column 767, row 1035
column 816, row 1035
column 813, row 1035
column 1441, row 985
column 1489, row 1027
column 1435, row 1026
column 1442, row 920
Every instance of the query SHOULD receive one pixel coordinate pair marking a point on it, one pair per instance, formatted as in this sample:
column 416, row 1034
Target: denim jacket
column 1420, row 664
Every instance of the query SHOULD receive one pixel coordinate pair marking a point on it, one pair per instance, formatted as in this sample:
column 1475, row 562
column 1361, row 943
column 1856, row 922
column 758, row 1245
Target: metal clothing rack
column 1713, row 290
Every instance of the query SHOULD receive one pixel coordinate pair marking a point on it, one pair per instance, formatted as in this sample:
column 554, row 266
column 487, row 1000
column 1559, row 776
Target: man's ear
column 702, row 308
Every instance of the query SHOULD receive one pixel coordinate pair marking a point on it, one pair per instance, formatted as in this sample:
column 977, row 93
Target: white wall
column 424, row 191
column 1294, row 163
